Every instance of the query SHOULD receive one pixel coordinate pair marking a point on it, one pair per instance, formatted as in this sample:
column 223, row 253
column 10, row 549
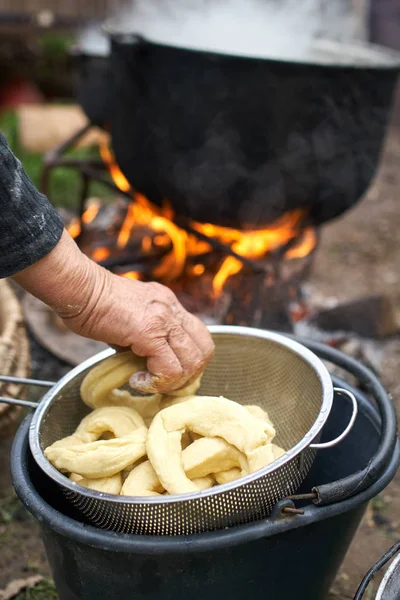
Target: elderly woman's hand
column 145, row 317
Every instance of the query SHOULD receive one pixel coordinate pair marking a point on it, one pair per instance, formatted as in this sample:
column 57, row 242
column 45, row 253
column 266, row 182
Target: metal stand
column 88, row 169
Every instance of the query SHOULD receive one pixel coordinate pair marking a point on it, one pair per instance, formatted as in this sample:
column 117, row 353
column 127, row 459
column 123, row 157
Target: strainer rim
column 326, row 405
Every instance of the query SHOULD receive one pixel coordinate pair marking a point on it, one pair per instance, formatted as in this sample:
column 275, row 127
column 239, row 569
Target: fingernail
column 139, row 377
column 142, row 381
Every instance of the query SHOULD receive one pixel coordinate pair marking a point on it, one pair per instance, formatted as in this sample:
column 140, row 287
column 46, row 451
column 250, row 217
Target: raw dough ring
column 107, row 485
column 100, row 386
column 261, row 458
column 100, row 459
column 210, row 417
column 211, row 455
column 118, row 421
column 143, row 481
column 206, row 460
column 111, row 373
column 200, row 461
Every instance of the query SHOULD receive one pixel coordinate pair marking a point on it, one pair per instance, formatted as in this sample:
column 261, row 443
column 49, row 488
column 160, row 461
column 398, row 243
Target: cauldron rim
column 152, row 545
column 385, row 58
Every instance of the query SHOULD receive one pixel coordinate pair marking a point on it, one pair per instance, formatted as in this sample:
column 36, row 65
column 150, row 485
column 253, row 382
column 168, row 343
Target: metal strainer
column 250, row 366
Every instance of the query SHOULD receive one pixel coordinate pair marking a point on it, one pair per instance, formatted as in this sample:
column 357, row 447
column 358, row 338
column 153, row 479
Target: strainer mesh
column 249, row 370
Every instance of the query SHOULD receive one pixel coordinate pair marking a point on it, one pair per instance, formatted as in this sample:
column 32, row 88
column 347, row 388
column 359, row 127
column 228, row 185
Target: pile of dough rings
column 158, row 445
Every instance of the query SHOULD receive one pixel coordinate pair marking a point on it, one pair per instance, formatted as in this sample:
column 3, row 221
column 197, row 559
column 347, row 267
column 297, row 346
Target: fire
column 127, row 226
column 230, row 266
column 74, row 227
column 131, row 275
column 251, row 244
column 91, row 212
column 117, row 175
column 306, row 245
column 183, row 249
column 198, row 270
column 100, row 254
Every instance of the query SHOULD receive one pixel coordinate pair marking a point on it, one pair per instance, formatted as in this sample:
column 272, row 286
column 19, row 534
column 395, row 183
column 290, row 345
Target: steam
column 264, row 28
column 315, row 31
column 94, row 42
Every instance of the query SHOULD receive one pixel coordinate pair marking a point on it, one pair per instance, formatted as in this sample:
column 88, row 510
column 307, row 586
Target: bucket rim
column 151, row 545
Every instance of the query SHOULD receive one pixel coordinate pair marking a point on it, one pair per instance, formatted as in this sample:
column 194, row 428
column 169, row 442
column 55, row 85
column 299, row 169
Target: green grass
column 44, row 590
column 9, row 505
column 64, row 188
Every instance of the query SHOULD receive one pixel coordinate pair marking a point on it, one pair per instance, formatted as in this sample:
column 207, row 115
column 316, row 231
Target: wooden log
column 371, row 317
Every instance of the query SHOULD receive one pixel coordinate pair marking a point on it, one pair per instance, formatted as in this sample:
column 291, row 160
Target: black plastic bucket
column 279, row 558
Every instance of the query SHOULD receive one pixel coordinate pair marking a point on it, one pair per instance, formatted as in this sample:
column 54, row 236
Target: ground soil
column 359, row 255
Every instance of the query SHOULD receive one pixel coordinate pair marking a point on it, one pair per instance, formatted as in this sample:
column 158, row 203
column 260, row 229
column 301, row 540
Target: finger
column 188, row 353
column 164, row 369
column 200, row 335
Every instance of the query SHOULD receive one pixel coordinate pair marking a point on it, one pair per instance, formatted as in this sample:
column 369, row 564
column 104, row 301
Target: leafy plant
column 64, row 188
column 44, row 590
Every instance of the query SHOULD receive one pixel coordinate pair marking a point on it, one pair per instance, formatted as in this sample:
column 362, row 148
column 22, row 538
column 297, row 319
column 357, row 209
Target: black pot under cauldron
column 281, row 557
column 239, row 140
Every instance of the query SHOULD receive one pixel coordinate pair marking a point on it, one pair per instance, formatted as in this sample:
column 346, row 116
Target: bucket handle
column 395, row 549
column 349, row 427
column 23, row 381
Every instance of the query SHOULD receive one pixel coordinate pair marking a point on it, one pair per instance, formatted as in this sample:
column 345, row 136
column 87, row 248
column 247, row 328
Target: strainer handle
column 341, row 437
column 23, row 381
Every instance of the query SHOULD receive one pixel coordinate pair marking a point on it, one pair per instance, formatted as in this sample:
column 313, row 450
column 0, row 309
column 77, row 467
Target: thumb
column 164, row 372
column 145, row 383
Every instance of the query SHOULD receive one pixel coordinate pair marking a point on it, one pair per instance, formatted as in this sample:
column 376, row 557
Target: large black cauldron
column 92, row 85
column 239, row 141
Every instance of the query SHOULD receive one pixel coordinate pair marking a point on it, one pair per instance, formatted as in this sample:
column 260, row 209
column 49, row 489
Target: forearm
column 65, row 279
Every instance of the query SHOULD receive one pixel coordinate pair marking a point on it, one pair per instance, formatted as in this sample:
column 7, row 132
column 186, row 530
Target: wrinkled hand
column 147, row 318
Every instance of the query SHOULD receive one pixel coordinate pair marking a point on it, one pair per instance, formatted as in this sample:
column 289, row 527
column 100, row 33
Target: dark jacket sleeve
column 29, row 225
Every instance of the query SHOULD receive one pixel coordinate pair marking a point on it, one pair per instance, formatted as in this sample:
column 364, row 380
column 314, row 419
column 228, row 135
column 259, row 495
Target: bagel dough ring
column 200, row 461
column 118, row 421
column 107, row 485
column 100, row 385
column 210, row 455
column 277, row 451
column 149, row 406
column 228, row 476
column 210, row 417
column 110, row 374
column 143, row 481
column 258, row 412
column 146, row 406
column 272, row 453
column 100, row 459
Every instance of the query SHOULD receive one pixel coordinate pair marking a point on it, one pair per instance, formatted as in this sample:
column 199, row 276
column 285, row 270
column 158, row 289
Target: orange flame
column 254, row 245
column 127, row 226
column 131, row 275
column 100, row 254
column 74, row 227
column 91, row 212
column 116, row 173
column 305, row 245
column 198, row 269
column 250, row 244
